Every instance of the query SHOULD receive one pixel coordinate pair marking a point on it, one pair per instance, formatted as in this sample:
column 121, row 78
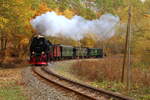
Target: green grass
column 64, row 69
column 137, row 92
column 11, row 91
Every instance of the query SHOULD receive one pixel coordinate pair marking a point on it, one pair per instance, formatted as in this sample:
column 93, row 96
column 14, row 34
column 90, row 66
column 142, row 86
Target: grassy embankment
column 11, row 86
column 106, row 73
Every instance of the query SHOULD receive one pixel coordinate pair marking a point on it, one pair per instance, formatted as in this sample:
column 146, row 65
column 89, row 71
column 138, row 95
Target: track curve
column 87, row 91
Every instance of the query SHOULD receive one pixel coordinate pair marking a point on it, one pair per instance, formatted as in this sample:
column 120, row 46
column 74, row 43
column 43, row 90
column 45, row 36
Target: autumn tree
column 16, row 16
column 43, row 8
column 88, row 40
column 68, row 13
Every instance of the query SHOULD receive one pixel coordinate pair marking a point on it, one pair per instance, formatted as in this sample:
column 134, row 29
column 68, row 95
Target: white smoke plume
column 143, row 1
column 51, row 24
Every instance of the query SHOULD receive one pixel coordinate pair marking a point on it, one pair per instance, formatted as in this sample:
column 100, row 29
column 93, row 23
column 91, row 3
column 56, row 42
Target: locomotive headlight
column 33, row 52
column 43, row 52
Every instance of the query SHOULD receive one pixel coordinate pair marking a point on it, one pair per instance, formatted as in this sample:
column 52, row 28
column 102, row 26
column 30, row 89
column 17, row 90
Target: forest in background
column 16, row 30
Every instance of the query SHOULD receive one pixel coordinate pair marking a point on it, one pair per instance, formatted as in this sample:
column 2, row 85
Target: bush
column 109, row 69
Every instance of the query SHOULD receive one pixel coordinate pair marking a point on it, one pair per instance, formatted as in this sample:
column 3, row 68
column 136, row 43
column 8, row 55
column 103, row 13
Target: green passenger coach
column 95, row 52
column 66, row 51
column 81, row 52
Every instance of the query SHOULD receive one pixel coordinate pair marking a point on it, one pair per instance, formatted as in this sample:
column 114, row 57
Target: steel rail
column 105, row 92
column 38, row 72
column 41, row 70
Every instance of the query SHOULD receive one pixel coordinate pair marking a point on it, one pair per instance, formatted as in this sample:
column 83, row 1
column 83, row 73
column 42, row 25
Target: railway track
column 86, row 91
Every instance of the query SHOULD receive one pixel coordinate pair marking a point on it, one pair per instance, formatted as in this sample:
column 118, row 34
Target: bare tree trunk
column 1, row 42
column 5, row 43
column 2, row 48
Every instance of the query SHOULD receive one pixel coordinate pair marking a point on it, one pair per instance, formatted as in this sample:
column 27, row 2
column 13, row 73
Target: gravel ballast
column 38, row 90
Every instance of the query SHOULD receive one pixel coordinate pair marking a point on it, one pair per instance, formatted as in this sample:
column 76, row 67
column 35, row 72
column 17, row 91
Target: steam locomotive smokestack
column 52, row 24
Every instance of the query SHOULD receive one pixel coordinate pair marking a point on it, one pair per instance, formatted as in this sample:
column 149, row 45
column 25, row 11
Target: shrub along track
column 83, row 90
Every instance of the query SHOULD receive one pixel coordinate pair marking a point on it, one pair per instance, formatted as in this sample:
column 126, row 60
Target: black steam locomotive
column 42, row 51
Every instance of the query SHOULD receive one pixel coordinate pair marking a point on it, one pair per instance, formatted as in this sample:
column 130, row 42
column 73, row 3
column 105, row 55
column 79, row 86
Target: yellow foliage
column 68, row 13
column 147, row 15
column 58, row 11
column 43, row 8
column 3, row 21
column 20, row 1
column 142, row 47
column 98, row 14
column 122, row 12
column 88, row 40
column 23, row 47
column 24, row 41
